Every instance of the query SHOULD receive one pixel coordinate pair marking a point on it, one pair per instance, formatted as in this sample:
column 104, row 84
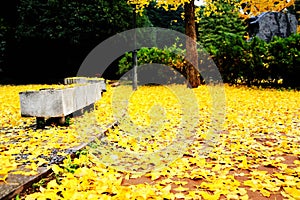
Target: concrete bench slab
column 58, row 103
column 84, row 80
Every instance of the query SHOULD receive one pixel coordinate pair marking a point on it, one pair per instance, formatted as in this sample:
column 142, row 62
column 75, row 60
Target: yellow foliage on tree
column 255, row 7
column 297, row 8
column 166, row 4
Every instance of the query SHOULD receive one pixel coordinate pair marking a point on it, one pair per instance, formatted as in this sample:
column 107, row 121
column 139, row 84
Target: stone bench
column 84, row 80
column 59, row 103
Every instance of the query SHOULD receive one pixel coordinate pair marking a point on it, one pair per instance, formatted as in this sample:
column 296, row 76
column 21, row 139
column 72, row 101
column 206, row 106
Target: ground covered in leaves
column 256, row 154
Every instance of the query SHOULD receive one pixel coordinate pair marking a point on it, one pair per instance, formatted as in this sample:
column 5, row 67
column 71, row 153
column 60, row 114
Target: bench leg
column 62, row 120
column 54, row 121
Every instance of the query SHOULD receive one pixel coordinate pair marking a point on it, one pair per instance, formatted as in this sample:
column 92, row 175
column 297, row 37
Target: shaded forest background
column 43, row 41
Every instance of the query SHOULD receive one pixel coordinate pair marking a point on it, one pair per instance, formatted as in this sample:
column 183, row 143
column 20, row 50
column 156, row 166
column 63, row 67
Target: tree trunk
column 192, row 71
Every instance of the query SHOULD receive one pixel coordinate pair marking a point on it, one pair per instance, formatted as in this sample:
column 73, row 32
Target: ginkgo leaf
column 56, row 169
column 3, row 179
column 181, row 189
column 266, row 193
column 293, row 192
column 154, row 175
column 208, row 196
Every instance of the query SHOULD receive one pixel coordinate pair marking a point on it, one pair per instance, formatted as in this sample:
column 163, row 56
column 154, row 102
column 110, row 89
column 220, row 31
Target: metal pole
column 134, row 54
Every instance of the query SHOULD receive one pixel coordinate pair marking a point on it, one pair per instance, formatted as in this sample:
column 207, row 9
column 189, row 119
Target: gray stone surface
column 270, row 24
column 68, row 103
column 84, row 80
column 16, row 183
column 43, row 103
column 58, row 102
column 75, row 80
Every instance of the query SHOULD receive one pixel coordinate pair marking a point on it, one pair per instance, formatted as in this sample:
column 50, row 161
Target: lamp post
column 134, row 53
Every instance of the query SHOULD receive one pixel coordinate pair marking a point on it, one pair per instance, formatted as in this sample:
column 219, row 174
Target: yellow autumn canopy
column 255, row 7
column 166, row 4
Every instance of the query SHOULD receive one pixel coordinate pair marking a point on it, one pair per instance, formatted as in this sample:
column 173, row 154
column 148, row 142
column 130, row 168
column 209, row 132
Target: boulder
column 270, row 24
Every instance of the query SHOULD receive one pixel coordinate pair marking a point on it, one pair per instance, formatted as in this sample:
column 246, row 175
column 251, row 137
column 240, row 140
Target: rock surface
column 270, row 24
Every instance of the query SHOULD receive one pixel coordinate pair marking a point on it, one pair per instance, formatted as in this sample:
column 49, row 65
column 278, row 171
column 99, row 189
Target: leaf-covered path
column 256, row 155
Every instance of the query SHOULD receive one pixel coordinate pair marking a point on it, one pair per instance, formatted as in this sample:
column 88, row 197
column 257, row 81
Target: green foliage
column 40, row 183
column 221, row 34
column 172, row 57
column 259, row 62
column 253, row 62
column 81, row 152
column 250, row 62
column 69, row 166
column 73, row 20
column 68, row 121
column 170, row 19
column 284, row 54
column 51, row 38
column 228, row 58
column 218, row 26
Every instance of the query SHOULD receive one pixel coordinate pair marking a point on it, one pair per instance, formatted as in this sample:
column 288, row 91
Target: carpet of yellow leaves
column 256, row 156
column 20, row 142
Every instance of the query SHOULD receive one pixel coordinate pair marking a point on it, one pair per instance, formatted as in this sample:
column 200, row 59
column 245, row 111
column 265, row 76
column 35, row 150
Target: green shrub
column 285, row 59
column 250, row 62
column 253, row 62
column 172, row 57
column 257, row 62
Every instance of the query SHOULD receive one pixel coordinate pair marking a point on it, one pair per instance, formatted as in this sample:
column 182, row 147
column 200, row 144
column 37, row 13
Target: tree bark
column 192, row 70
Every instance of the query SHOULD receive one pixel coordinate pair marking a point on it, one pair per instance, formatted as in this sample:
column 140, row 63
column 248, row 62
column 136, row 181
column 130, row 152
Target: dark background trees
column 170, row 19
column 44, row 41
